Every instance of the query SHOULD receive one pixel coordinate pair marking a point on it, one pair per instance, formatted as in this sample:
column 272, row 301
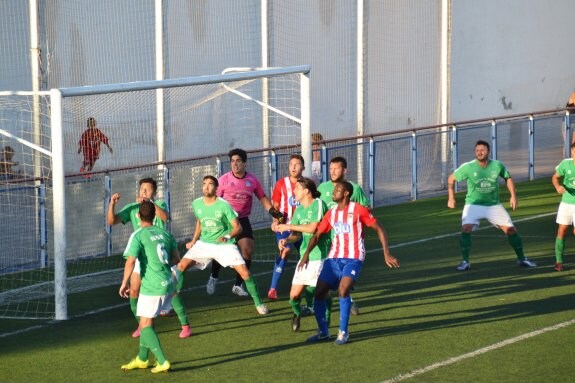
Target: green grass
column 419, row 315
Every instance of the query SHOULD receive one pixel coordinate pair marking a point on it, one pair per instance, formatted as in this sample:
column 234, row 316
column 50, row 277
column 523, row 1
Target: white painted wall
column 511, row 56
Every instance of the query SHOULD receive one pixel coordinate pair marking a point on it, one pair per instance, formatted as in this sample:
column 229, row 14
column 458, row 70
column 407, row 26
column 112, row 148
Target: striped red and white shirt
column 348, row 230
column 284, row 197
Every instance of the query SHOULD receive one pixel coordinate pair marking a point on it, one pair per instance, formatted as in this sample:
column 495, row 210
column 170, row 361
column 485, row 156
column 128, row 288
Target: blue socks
column 279, row 267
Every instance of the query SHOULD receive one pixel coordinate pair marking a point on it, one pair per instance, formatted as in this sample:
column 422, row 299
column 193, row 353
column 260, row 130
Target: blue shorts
column 284, row 235
column 334, row 269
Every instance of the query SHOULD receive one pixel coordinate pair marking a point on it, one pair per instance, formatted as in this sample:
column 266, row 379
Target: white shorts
column 496, row 215
column 308, row 276
column 149, row 306
column 565, row 214
column 203, row 253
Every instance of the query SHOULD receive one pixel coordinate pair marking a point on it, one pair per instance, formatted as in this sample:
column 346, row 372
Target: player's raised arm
column 112, row 218
column 162, row 213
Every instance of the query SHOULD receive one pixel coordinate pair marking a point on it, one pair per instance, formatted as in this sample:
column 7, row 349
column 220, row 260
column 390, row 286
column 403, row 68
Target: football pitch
column 424, row 322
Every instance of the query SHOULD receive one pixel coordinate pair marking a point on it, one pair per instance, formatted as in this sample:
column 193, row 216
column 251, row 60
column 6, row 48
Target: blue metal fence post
column 42, row 224
column 323, row 159
column 567, row 134
column 413, row 166
column 454, row 151
column 107, row 196
column 531, row 148
column 371, row 171
column 167, row 196
column 219, row 166
column 493, row 139
column 273, row 163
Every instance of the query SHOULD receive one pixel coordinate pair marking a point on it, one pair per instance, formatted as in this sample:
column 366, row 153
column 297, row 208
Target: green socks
column 149, row 340
column 296, row 306
column 465, row 244
column 134, row 307
column 309, row 291
column 178, row 303
column 253, row 290
column 517, row 245
column 180, row 310
column 559, row 248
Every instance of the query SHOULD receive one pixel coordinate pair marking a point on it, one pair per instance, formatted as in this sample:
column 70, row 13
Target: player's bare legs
column 135, row 284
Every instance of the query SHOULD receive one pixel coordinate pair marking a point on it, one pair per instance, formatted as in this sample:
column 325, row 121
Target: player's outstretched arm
column 128, row 268
column 390, row 260
column 451, row 191
column 511, row 187
column 307, row 228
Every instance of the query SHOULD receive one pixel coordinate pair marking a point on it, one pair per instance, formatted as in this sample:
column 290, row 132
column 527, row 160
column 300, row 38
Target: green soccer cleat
column 161, row 367
column 135, row 363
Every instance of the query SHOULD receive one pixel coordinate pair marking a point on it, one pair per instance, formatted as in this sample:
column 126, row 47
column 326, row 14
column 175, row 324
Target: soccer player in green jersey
column 337, row 173
column 217, row 227
column 564, row 182
column 129, row 213
column 482, row 202
column 153, row 247
column 304, row 222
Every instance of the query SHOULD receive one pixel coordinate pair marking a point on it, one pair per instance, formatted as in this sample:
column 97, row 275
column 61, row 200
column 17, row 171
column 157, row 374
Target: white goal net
column 26, row 271
column 175, row 131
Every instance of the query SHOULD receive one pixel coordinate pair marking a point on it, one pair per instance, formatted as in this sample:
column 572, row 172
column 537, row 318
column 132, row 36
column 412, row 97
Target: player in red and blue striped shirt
column 347, row 221
column 283, row 199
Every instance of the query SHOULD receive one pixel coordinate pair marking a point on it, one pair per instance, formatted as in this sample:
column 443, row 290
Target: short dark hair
column 238, row 152
column 315, row 137
column 310, row 185
column 89, row 120
column 209, row 177
column 339, row 160
column 347, row 186
column 147, row 211
column 484, row 143
column 149, row 181
column 297, row 157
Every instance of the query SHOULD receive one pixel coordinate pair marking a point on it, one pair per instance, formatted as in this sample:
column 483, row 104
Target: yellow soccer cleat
column 161, row 367
column 135, row 363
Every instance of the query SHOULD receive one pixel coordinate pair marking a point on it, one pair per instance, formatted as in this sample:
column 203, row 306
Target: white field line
column 2, row 335
column 477, row 352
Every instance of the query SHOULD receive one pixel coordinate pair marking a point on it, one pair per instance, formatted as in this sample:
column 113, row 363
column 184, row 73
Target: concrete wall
column 511, row 56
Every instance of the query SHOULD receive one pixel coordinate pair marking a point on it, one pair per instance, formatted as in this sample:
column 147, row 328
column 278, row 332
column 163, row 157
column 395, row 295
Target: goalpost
column 178, row 142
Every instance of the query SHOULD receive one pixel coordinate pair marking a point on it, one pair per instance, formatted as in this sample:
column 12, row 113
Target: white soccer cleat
column 342, row 338
column 211, row 286
column 239, row 291
column 527, row 263
column 262, row 309
column 464, row 265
